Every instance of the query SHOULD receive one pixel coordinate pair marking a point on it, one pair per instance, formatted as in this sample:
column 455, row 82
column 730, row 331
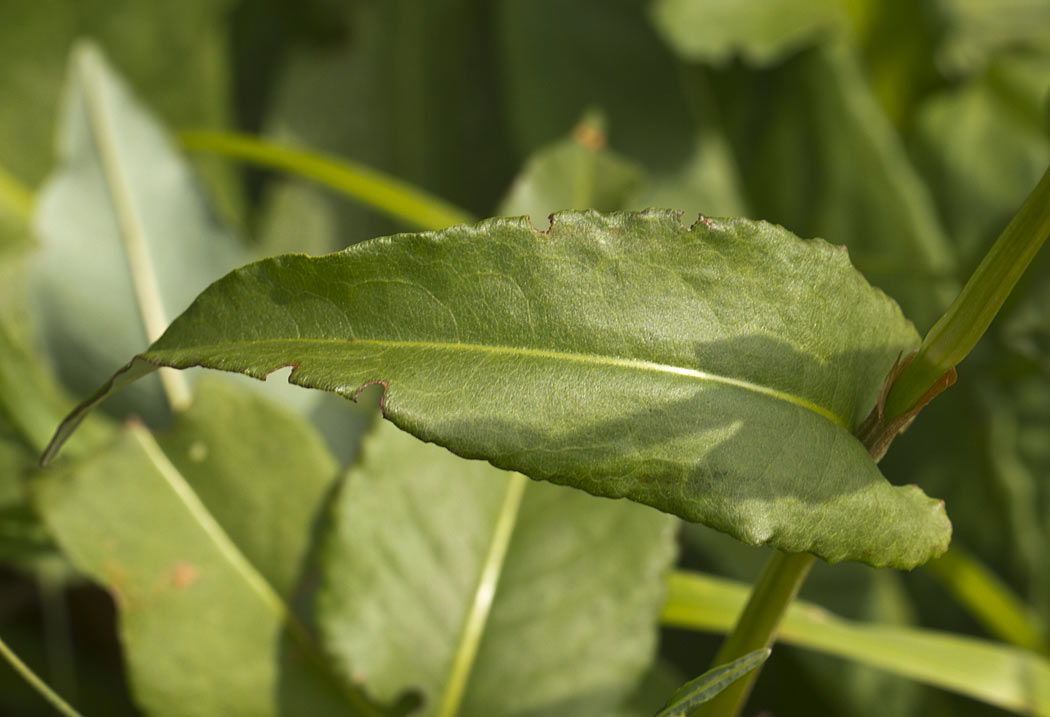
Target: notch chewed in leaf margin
column 714, row 371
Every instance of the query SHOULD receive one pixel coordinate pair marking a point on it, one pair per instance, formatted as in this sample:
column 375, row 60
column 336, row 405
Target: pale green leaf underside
column 712, row 371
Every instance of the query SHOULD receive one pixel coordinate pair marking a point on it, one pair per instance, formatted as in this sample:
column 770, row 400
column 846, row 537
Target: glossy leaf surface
column 418, row 592
column 712, row 371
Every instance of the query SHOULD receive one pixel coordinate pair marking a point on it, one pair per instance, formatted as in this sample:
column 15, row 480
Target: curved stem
column 756, row 628
column 388, row 194
column 60, row 705
column 962, row 325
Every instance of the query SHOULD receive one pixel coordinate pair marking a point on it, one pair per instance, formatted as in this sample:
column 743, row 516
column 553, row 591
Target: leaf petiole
column 962, row 325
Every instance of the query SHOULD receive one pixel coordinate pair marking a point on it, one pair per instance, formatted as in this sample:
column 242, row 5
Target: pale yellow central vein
column 484, row 593
column 131, row 227
column 232, row 555
column 580, row 358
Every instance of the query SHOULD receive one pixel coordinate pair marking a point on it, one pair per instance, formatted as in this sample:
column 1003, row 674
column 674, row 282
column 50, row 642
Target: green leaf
column 203, row 588
column 264, row 496
column 1001, row 675
column 712, row 371
column 584, row 66
column 467, row 582
column 976, row 31
column 981, row 169
column 172, row 50
column 577, row 172
column 674, row 134
column 761, row 31
column 122, row 212
column 705, row 687
column 16, row 207
column 409, row 91
column 989, row 600
column 818, row 155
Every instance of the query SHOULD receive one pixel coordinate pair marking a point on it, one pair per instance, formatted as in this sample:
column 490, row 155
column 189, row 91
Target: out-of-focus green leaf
column 583, row 65
column 982, row 151
column 713, row 371
column 127, row 240
column 988, row 599
column 760, row 31
column 1005, row 676
column 410, row 92
column 818, row 155
column 577, row 172
column 418, row 592
column 16, row 207
column 31, row 401
column 708, row 685
column 661, row 679
column 895, row 39
column 197, row 616
column 22, row 538
column 250, row 485
column 1018, row 426
column 173, row 51
column 977, row 29
column 705, row 184
column 297, row 218
column 668, row 122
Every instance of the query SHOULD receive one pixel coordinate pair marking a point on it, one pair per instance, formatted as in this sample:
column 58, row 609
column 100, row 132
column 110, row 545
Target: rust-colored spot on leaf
column 589, row 136
column 184, row 574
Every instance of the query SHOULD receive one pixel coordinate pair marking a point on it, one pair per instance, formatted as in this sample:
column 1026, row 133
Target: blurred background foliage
column 909, row 131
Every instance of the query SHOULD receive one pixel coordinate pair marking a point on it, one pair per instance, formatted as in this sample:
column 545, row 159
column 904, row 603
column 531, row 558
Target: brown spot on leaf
column 589, row 136
column 183, row 574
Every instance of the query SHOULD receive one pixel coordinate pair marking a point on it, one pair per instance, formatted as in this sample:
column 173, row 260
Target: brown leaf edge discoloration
column 874, row 432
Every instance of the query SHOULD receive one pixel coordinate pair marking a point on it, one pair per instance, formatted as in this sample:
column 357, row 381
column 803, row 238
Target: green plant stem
column 474, row 626
column 756, row 628
column 393, row 197
column 962, row 325
column 36, row 683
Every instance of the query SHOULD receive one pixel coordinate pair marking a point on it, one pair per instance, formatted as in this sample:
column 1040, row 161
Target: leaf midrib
column 584, row 358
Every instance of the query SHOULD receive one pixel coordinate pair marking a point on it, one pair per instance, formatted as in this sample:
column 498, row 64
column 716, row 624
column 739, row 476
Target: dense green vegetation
column 207, row 544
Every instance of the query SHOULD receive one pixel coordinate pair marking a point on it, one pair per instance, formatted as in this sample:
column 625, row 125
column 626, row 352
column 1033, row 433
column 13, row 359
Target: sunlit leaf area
column 524, row 358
